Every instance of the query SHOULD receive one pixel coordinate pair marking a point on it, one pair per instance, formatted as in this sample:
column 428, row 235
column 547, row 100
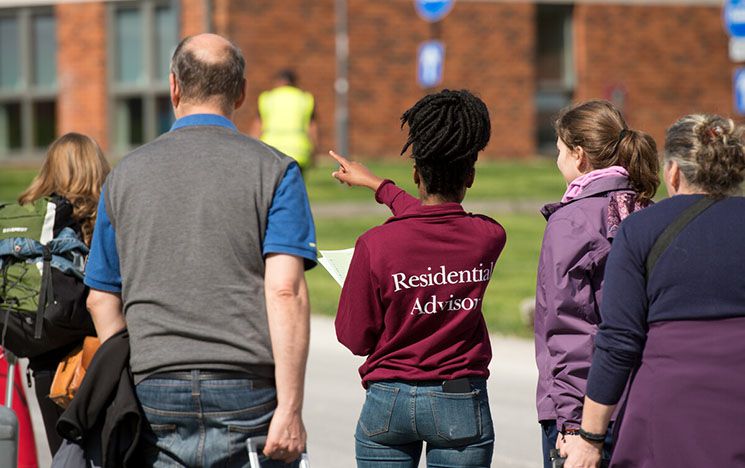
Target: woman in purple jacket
column 611, row 171
column 677, row 324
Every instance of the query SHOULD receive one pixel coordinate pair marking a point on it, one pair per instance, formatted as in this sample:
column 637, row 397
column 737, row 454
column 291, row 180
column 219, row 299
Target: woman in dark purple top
column 680, row 330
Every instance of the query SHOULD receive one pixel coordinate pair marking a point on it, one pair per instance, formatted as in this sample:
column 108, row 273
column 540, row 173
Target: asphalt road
column 334, row 398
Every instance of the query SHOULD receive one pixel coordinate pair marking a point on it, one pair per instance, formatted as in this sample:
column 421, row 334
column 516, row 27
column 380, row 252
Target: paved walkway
column 334, row 398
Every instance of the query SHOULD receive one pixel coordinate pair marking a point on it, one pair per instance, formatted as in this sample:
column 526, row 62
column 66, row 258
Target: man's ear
column 242, row 97
column 416, row 176
column 175, row 90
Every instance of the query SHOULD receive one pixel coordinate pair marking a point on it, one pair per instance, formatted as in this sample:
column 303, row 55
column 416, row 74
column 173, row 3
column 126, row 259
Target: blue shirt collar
column 203, row 119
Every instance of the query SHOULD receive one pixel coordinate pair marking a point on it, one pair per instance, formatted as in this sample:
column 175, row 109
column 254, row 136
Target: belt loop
column 195, row 382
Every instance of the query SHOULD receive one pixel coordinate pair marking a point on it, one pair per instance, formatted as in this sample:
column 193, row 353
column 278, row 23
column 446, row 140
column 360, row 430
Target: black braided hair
column 446, row 132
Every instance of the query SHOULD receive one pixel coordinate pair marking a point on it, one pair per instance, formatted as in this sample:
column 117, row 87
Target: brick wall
column 298, row 34
column 664, row 61
column 489, row 50
column 193, row 17
column 669, row 60
column 81, row 67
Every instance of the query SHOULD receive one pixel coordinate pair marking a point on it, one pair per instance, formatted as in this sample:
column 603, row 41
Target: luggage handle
column 254, row 445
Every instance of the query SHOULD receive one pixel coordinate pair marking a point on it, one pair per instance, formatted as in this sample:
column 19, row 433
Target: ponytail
column 601, row 131
column 637, row 153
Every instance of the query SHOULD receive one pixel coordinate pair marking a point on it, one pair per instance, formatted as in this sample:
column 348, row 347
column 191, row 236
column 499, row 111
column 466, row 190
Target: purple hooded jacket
column 575, row 247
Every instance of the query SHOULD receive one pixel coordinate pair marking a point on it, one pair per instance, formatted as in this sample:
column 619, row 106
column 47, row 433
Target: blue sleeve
column 623, row 330
column 289, row 228
column 102, row 270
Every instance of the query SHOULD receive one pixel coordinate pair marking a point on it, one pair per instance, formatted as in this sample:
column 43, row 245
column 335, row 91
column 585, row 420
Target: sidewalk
column 334, row 397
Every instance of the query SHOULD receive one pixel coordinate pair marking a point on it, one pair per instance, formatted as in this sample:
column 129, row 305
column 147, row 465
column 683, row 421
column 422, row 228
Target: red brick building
column 101, row 67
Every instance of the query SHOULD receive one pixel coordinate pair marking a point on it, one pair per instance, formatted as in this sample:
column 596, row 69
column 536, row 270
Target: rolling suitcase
column 8, row 420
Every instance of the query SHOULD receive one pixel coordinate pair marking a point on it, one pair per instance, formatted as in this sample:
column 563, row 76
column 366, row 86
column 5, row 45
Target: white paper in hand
column 336, row 262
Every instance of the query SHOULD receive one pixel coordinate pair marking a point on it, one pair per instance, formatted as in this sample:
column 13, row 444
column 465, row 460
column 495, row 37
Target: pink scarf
column 578, row 185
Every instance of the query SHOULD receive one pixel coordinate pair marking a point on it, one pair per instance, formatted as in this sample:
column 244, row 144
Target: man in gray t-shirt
column 199, row 250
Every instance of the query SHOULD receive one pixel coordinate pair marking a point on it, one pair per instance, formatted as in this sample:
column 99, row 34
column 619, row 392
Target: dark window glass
column 129, row 60
column 45, row 50
column 45, row 123
column 554, row 70
column 165, row 114
column 166, row 36
column 10, row 127
column 10, row 60
column 130, row 124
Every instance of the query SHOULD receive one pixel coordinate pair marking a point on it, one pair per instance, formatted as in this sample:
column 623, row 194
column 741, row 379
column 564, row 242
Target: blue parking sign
column 430, row 63
column 433, row 10
column 734, row 17
column 738, row 87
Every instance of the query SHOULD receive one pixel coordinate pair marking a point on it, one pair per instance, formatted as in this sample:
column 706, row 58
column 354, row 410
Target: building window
column 142, row 38
column 28, row 81
column 554, row 69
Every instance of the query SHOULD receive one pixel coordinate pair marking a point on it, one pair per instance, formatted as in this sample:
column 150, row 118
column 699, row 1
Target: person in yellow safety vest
column 286, row 119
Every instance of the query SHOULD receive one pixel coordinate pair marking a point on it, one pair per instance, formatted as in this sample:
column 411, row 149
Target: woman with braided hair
column 674, row 315
column 412, row 298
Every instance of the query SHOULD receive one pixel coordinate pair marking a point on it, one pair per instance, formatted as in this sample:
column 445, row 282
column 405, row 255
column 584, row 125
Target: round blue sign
column 734, row 17
column 433, row 10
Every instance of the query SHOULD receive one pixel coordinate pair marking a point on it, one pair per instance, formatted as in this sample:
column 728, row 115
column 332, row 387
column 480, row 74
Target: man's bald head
column 208, row 67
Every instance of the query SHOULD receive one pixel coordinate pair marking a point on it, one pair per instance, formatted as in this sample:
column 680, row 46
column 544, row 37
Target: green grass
column 13, row 182
column 508, row 180
column 513, row 280
column 514, row 276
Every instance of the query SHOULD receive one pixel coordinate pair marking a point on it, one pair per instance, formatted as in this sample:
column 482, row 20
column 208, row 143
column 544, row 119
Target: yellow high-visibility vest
column 285, row 114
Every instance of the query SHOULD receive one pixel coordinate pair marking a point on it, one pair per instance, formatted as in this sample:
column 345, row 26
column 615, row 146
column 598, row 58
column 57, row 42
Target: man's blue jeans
column 204, row 423
column 397, row 417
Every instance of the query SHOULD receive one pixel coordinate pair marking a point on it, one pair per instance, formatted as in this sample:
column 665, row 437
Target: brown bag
column 71, row 371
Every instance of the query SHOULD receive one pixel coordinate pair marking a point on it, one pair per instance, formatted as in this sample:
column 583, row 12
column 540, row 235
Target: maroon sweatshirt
column 413, row 295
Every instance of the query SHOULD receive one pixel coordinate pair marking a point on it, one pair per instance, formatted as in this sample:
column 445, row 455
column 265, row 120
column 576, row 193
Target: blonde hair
column 74, row 168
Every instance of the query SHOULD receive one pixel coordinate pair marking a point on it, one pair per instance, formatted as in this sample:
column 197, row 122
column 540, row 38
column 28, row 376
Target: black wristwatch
column 591, row 437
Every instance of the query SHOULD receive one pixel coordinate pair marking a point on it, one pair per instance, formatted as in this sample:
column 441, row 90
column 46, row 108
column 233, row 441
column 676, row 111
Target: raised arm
column 356, row 174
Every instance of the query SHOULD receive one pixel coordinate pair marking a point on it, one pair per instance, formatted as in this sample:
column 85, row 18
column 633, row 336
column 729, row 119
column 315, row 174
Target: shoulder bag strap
column 675, row 228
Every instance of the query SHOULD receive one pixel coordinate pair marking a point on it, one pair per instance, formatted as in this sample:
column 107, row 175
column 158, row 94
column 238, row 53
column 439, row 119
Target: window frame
column 150, row 89
column 29, row 93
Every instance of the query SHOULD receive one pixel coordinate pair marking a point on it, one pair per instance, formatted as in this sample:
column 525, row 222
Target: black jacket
column 106, row 406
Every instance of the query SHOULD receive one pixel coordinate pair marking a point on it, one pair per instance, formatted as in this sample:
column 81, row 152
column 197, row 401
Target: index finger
column 343, row 162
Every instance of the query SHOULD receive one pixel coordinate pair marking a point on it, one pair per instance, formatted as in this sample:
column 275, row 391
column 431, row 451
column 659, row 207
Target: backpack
column 29, row 252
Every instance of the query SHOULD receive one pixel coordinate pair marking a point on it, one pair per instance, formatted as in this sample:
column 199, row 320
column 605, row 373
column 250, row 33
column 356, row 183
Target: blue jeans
column 551, row 433
column 397, row 417
column 204, row 423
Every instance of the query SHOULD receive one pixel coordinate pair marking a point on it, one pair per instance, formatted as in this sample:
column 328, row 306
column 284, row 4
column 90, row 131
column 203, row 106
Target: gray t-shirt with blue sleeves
column 184, row 224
